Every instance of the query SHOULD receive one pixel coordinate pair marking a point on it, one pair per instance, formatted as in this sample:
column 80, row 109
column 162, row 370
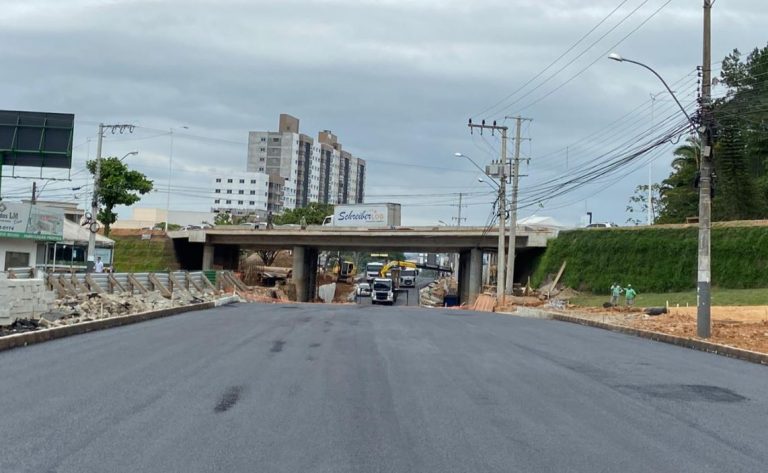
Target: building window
column 275, row 140
column 261, row 159
column 262, row 149
column 218, row 179
column 263, row 139
column 242, row 181
column 239, row 202
column 229, row 181
column 241, row 191
column 229, row 201
column 217, row 201
column 253, row 192
column 251, row 202
column 229, row 191
column 253, row 181
column 261, row 169
column 217, row 191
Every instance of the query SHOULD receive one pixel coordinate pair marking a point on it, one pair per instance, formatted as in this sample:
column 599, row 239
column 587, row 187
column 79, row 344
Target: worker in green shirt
column 616, row 291
column 630, row 294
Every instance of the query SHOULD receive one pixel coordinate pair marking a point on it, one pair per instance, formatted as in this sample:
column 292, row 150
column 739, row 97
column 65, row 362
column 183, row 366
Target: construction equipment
column 411, row 265
column 344, row 270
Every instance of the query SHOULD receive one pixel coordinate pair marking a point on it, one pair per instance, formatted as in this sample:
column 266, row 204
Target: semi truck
column 384, row 215
column 383, row 291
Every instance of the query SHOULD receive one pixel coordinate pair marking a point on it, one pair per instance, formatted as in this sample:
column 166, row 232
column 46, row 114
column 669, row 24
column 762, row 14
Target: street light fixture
column 703, row 286
column 442, row 223
column 132, row 153
column 501, row 261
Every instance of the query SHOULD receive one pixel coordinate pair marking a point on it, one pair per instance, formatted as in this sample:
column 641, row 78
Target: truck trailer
column 384, row 215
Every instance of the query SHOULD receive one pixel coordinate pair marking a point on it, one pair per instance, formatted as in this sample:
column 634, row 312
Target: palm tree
column 678, row 193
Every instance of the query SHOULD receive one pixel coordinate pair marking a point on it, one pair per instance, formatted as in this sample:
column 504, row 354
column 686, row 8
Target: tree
column 638, row 204
column 678, row 195
column 226, row 218
column 118, row 185
column 314, row 214
column 268, row 256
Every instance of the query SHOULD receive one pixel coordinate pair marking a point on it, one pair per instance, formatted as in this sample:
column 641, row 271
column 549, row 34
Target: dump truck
column 383, row 291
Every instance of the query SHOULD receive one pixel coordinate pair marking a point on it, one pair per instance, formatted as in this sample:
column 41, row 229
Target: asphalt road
column 271, row 388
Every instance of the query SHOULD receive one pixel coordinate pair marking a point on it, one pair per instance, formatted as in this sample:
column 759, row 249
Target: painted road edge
column 39, row 336
column 701, row 345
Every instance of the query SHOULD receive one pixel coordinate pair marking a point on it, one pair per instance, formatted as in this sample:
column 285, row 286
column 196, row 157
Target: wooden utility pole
column 704, row 280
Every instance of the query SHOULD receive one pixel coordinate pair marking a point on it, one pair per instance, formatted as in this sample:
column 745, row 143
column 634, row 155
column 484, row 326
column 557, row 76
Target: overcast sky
column 395, row 80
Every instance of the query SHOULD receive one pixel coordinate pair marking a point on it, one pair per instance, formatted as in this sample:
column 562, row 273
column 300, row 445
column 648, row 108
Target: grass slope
column 134, row 255
column 656, row 259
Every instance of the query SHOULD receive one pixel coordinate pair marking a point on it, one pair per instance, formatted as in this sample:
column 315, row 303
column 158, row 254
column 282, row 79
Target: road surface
column 312, row 388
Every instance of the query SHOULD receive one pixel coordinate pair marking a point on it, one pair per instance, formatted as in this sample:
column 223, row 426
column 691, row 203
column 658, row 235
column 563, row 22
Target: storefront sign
column 32, row 222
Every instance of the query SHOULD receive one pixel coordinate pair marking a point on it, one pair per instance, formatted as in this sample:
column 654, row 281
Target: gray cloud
column 396, row 80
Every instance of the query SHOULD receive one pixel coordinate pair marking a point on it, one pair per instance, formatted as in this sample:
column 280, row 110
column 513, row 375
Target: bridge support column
column 463, row 277
column 470, row 276
column 304, row 273
column 475, row 278
column 208, row 257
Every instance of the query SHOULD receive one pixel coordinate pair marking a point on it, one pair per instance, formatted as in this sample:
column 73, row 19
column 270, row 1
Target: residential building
column 312, row 170
column 249, row 193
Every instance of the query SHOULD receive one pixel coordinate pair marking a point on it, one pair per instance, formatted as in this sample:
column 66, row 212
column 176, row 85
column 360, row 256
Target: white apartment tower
column 313, row 170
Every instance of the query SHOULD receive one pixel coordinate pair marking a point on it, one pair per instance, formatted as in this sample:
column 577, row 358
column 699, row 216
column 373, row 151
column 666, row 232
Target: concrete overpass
column 221, row 247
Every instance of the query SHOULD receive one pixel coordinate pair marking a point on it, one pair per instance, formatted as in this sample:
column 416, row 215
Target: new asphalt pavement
column 360, row 388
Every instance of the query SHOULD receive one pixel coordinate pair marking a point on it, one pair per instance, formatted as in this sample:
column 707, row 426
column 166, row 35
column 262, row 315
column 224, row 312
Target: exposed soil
column 737, row 326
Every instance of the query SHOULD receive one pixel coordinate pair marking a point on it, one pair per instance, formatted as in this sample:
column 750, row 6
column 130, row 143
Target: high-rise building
column 287, row 169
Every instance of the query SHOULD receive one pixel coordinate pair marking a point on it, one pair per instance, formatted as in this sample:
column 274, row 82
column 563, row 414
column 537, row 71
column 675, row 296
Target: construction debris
column 433, row 295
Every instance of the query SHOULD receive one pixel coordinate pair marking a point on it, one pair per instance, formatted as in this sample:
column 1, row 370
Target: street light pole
column 91, row 257
column 170, row 173
column 704, row 278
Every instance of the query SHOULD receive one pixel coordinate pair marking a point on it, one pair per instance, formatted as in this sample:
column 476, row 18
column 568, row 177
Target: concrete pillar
column 475, row 276
column 463, row 279
column 208, row 257
column 299, row 277
column 310, row 257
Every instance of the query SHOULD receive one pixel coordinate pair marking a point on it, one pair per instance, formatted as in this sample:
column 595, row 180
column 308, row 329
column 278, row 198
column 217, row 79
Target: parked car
column 363, row 289
column 602, row 225
column 191, row 227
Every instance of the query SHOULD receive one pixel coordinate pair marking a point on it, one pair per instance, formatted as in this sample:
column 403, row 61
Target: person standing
column 99, row 268
column 616, row 291
column 630, row 294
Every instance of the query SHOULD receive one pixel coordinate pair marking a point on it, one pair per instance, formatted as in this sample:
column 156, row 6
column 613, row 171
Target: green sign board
column 32, row 222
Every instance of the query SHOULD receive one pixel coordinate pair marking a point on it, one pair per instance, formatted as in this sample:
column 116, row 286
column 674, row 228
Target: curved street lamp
column 617, row 57
column 131, row 153
column 703, row 285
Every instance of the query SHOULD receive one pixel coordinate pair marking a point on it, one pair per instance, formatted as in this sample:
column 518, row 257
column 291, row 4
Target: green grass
column 719, row 297
column 134, row 255
column 657, row 259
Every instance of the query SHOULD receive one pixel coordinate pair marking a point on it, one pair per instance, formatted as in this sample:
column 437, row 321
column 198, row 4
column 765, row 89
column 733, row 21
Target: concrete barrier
column 28, row 338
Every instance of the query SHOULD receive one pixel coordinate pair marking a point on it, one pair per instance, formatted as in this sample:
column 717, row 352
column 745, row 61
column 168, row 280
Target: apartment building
column 247, row 193
column 296, row 168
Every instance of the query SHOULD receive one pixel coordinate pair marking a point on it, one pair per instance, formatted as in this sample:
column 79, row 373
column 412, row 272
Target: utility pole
column 459, row 218
column 513, row 211
column 703, row 286
column 34, row 192
column 91, row 261
column 501, row 174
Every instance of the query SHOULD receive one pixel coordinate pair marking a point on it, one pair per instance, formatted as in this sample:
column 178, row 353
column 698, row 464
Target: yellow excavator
column 408, row 271
column 344, row 270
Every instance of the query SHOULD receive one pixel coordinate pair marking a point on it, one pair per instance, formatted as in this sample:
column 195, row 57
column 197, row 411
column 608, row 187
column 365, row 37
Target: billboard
column 31, row 222
column 37, row 139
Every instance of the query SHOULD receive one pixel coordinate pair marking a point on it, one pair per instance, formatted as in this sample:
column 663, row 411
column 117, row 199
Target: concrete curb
column 701, row 345
column 28, row 338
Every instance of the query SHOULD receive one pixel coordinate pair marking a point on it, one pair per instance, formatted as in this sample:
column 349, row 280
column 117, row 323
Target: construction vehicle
column 372, row 271
column 344, row 270
column 409, row 271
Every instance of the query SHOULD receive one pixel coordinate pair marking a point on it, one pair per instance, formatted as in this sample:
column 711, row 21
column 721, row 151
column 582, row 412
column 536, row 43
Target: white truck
column 408, row 277
column 383, row 291
column 372, row 271
column 384, row 215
